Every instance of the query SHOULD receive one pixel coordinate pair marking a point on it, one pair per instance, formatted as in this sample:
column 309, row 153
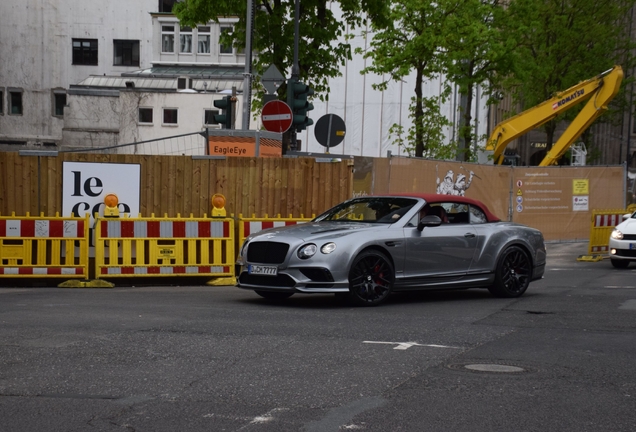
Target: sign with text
column 580, row 187
column 242, row 146
column 85, row 184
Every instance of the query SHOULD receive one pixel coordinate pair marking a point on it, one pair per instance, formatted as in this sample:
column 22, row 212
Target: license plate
column 632, row 246
column 262, row 270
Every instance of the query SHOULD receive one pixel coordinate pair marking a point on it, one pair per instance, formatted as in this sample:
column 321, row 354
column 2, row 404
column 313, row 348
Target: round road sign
column 330, row 130
column 276, row 116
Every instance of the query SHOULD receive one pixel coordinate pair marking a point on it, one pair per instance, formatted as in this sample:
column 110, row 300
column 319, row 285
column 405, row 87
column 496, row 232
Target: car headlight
column 327, row 248
column 307, row 251
column 616, row 234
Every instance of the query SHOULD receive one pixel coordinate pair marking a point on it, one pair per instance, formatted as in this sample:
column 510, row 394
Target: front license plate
column 632, row 246
column 262, row 270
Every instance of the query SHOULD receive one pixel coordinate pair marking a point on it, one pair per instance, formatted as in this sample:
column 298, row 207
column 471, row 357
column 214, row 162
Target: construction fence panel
column 252, row 225
column 43, row 247
column 131, row 247
column 603, row 223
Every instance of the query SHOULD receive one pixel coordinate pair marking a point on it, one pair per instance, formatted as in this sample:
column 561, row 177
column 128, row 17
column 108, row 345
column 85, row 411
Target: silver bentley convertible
column 366, row 248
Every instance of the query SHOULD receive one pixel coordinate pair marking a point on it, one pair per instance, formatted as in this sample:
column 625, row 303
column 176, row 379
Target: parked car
column 366, row 248
column 622, row 242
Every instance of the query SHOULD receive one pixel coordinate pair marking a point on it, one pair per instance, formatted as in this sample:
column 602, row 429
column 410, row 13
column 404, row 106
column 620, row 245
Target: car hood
column 315, row 230
column 628, row 226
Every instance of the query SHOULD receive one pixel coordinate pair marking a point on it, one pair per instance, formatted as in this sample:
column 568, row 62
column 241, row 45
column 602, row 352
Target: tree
column 408, row 40
column 562, row 42
column 475, row 52
column 457, row 39
column 323, row 46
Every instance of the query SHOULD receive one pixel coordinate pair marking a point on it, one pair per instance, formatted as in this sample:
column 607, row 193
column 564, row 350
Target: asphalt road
column 200, row 358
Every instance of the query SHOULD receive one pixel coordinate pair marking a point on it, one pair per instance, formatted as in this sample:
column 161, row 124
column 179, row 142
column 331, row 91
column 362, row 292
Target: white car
column 622, row 242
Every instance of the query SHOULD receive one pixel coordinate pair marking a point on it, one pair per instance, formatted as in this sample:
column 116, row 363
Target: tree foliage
column 475, row 52
column 457, row 39
column 323, row 45
column 563, row 42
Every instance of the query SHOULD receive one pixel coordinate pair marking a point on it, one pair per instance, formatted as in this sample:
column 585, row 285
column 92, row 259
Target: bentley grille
column 267, row 252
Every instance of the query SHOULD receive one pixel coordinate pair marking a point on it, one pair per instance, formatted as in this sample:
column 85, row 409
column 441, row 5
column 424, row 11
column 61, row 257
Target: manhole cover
column 494, row 368
column 490, row 367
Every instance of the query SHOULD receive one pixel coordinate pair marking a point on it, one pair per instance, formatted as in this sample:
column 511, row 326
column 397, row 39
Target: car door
column 442, row 252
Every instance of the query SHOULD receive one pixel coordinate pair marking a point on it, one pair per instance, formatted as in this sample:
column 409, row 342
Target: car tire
column 513, row 273
column 619, row 263
column 272, row 295
column 370, row 279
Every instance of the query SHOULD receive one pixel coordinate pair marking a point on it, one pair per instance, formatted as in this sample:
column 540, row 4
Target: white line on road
column 407, row 345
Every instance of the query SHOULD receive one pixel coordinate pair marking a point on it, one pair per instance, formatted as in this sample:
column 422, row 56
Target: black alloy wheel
column 513, row 273
column 370, row 279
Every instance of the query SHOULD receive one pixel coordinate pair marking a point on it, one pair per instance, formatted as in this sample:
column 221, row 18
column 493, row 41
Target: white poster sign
column 85, row 184
column 580, row 203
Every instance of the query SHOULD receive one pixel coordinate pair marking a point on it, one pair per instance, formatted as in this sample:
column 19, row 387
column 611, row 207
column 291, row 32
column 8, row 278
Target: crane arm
column 605, row 86
column 596, row 106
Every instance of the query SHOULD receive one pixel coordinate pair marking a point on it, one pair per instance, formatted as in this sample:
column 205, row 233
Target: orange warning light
column 112, row 206
column 218, row 205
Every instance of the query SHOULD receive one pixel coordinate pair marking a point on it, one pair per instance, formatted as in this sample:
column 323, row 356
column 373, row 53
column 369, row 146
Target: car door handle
column 469, row 235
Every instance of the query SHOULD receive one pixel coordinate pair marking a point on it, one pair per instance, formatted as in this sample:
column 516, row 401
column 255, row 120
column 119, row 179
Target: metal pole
column 247, row 75
column 295, row 72
column 295, row 67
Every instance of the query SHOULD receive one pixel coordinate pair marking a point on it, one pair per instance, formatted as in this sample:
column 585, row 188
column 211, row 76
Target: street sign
column 276, row 116
column 330, row 130
column 272, row 79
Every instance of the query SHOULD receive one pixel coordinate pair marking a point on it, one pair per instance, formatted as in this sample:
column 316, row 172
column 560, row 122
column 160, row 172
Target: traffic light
column 225, row 105
column 297, row 94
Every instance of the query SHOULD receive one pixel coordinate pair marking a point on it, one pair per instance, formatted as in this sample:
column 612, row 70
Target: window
column 15, row 102
column 225, row 49
column 166, row 5
column 59, row 102
column 1, row 101
column 145, row 115
column 203, row 40
column 208, row 117
column 185, row 40
column 170, row 116
column 125, row 52
column 84, row 51
column 167, row 38
column 477, row 216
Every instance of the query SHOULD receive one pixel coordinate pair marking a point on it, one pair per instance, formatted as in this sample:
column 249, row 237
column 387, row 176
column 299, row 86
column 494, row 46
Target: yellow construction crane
column 600, row 90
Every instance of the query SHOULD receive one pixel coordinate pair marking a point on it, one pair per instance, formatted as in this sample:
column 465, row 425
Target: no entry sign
column 276, row 116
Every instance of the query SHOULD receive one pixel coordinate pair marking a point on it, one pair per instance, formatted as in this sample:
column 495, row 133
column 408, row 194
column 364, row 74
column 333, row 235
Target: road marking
column 407, row 345
column 628, row 305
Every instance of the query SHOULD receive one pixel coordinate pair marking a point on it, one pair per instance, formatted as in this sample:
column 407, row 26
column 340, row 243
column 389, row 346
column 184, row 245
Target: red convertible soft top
column 437, row 198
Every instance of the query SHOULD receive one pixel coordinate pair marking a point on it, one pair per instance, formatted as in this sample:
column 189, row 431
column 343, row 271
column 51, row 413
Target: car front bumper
column 622, row 249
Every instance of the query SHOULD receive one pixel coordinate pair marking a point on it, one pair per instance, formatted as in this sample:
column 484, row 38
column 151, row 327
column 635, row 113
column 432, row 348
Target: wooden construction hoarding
column 557, row 200
column 184, row 185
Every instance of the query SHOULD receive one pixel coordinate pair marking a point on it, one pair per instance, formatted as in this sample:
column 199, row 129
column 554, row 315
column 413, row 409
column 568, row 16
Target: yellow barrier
column 132, row 247
column 43, row 247
column 253, row 225
column 603, row 223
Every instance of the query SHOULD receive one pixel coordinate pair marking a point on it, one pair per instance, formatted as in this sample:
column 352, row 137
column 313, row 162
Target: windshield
column 369, row 209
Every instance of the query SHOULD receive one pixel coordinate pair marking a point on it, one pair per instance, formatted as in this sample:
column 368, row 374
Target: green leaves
column 323, row 46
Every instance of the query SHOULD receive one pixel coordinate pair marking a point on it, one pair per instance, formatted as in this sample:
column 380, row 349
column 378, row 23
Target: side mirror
column 627, row 216
column 429, row 221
